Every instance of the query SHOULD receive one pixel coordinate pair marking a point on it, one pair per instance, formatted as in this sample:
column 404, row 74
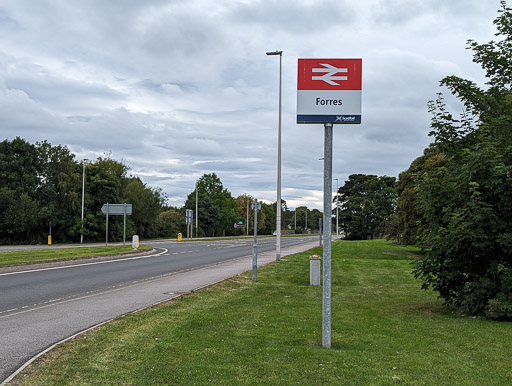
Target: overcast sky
column 179, row 88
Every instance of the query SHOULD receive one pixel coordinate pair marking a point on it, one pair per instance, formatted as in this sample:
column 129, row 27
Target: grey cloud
column 296, row 17
column 449, row 15
column 61, row 94
column 180, row 88
column 7, row 23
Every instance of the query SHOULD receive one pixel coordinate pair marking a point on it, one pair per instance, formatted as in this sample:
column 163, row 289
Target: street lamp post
column 197, row 212
column 336, row 205
column 278, row 209
column 83, row 200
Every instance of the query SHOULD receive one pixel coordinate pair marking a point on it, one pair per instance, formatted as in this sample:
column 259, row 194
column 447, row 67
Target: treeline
column 218, row 211
column 366, row 205
column 41, row 193
column 456, row 199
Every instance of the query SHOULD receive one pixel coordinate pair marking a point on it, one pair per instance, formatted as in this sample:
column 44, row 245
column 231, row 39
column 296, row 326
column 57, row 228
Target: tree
column 218, row 210
column 147, row 204
column 467, row 202
column 171, row 222
column 313, row 219
column 302, row 216
column 408, row 223
column 41, row 183
column 103, row 185
column 58, row 190
column 19, row 178
column 367, row 203
column 244, row 201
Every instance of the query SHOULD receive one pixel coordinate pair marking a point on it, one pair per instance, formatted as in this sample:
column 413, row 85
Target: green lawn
column 57, row 254
column 385, row 331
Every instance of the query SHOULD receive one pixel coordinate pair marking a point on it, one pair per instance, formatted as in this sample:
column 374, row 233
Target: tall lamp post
column 336, row 205
column 197, row 211
column 83, row 199
column 278, row 209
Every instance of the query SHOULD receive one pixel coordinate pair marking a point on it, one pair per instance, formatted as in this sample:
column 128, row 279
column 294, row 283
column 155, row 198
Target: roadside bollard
column 135, row 242
column 314, row 270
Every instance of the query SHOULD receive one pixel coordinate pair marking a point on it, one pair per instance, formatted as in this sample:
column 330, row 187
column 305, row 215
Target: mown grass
column 50, row 255
column 385, row 330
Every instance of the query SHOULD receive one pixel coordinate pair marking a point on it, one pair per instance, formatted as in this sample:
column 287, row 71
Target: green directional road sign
column 240, row 222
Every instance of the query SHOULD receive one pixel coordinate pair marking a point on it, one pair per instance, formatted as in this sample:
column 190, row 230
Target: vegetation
column 59, row 254
column 367, row 203
column 385, row 330
column 41, row 191
column 457, row 199
column 408, row 223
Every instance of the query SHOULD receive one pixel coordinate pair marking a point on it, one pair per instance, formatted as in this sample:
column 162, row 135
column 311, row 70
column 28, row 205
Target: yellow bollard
column 50, row 240
column 180, row 237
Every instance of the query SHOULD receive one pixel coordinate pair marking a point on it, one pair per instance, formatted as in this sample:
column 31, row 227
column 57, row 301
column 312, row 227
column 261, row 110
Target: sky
column 179, row 88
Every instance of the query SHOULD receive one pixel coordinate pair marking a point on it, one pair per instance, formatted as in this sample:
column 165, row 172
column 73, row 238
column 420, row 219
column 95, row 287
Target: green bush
column 466, row 202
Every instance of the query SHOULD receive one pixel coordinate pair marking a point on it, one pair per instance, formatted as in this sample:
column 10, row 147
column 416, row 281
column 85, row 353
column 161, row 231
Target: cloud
column 181, row 88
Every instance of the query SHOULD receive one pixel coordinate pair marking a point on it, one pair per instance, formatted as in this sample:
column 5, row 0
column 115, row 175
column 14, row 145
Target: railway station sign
column 329, row 91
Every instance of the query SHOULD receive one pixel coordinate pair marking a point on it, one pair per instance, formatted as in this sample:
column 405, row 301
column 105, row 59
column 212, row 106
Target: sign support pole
column 106, row 229
column 320, row 231
column 327, row 223
column 256, row 206
column 124, row 224
column 197, row 212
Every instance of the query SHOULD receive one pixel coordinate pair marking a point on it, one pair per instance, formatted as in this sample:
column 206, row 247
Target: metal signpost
column 328, row 92
column 320, row 231
column 116, row 210
column 255, row 206
column 189, row 215
column 197, row 211
column 278, row 201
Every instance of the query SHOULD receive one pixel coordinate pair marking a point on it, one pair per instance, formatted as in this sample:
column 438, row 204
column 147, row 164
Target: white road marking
column 84, row 264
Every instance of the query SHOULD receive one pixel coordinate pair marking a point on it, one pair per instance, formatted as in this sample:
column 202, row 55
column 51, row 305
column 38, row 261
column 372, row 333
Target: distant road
column 40, row 307
column 5, row 248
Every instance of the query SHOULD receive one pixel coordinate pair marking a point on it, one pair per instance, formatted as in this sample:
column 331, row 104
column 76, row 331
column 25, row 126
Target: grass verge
column 385, row 331
column 50, row 255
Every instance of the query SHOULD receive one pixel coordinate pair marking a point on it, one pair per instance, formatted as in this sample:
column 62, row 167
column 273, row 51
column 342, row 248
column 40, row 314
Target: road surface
column 43, row 305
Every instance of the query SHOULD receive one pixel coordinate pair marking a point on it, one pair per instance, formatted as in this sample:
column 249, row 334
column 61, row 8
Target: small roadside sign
column 240, row 222
column 117, row 209
column 189, row 214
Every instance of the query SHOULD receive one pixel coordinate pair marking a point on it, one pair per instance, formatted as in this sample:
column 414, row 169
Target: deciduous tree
column 467, row 203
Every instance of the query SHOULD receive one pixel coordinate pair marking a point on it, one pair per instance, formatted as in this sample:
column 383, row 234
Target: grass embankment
column 385, row 330
column 50, row 255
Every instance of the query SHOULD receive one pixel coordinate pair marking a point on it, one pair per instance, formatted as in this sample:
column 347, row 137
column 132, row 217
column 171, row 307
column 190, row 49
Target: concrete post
column 314, row 270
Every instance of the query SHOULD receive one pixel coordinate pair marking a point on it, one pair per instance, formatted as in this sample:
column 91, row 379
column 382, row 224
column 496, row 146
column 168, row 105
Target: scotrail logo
column 330, row 72
column 345, row 118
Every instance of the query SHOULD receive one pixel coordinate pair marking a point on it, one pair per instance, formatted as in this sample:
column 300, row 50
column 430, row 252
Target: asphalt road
column 42, row 306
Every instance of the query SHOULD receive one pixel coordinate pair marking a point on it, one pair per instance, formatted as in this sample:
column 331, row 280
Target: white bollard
column 314, row 270
column 135, row 242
